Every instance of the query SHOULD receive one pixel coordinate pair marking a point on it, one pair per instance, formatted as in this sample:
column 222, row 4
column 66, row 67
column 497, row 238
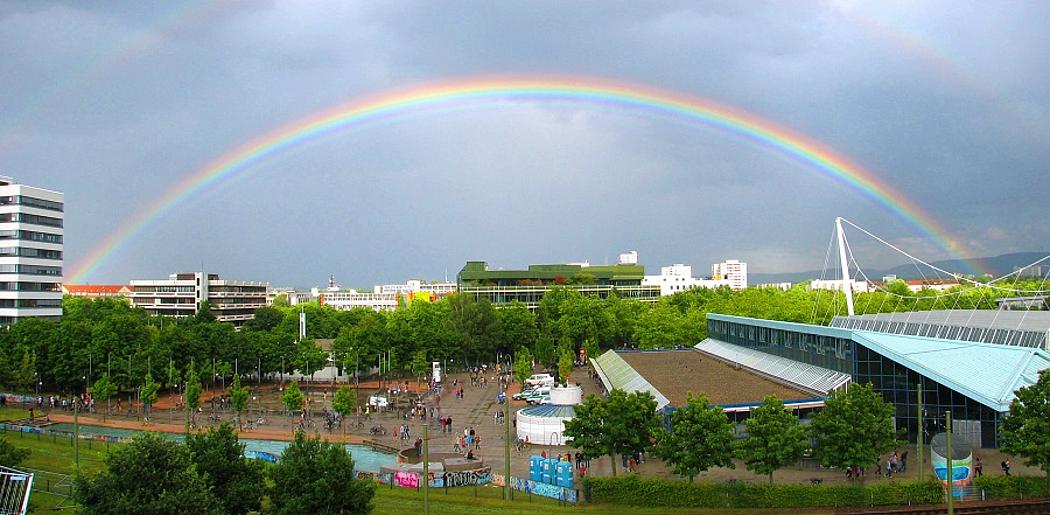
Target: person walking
column 1005, row 465
column 978, row 468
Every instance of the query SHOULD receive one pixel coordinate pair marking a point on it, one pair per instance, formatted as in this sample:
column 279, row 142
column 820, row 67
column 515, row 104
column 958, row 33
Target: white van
column 540, row 380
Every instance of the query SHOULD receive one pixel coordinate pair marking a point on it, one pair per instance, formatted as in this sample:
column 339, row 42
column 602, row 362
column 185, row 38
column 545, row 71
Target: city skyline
column 948, row 111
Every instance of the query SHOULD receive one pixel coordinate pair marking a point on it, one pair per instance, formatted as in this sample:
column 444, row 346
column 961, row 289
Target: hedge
column 633, row 490
column 1013, row 487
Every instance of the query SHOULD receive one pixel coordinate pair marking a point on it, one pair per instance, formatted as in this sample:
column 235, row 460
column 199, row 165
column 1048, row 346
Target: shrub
column 632, row 490
column 1013, row 487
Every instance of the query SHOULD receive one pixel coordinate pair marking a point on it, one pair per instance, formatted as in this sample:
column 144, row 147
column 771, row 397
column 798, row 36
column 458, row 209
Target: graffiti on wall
column 545, row 490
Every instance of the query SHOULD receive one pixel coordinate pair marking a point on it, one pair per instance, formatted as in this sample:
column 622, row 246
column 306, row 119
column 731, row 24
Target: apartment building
column 31, row 220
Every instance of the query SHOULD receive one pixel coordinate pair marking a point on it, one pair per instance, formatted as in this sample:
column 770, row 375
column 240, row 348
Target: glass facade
column 897, row 384
column 823, row 351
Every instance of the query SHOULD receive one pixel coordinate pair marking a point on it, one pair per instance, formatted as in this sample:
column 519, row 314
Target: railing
column 15, row 487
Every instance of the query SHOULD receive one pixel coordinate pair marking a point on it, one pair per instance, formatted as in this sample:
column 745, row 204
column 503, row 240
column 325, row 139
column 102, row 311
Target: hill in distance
column 997, row 266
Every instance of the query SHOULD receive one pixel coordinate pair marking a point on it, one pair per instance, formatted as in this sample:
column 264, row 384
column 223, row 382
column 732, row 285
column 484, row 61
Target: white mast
column 847, row 283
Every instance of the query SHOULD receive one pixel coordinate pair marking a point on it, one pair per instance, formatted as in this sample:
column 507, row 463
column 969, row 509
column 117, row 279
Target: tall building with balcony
column 180, row 295
column 731, row 270
column 30, row 252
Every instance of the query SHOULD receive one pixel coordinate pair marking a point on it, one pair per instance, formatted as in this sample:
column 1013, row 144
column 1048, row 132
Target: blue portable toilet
column 560, row 470
column 536, row 467
column 548, row 470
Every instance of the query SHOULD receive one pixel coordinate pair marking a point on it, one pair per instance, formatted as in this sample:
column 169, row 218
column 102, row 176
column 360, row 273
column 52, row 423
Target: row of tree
column 108, row 336
column 209, row 474
column 854, row 429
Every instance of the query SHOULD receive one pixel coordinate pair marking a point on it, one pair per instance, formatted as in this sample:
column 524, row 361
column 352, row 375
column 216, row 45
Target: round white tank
column 566, row 395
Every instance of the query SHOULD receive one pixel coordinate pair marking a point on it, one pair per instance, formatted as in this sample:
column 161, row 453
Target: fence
column 15, row 487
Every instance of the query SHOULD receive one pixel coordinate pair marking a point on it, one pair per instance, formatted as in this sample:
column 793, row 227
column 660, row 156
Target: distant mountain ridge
column 997, row 266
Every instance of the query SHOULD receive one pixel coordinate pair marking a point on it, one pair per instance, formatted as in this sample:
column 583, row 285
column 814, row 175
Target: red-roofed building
column 97, row 291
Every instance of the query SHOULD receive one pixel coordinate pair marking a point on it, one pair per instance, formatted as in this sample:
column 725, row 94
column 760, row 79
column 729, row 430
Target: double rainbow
column 241, row 159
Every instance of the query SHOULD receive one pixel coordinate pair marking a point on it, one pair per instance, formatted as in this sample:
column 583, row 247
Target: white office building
column 30, row 252
column 180, row 295
column 837, row 285
column 731, row 270
column 442, row 289
column 346, row 300
column 679, row 277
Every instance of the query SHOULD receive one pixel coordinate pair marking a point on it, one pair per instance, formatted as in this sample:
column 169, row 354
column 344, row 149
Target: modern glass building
column 529, row 286
column 975, row 380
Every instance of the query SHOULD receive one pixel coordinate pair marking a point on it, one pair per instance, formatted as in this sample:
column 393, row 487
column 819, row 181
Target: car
column 540, row 379
column 522, row 394
column 537, row 394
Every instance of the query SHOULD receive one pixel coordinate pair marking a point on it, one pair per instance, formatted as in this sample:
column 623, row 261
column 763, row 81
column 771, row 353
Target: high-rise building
column 30, row 252
column 731, row 270
column 180, row 295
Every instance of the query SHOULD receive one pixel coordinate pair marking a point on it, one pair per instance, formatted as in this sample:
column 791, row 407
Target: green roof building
column 528, row 286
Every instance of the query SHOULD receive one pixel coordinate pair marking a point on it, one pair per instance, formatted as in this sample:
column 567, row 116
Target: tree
column 309, row 357
column 774, row 440
column 25, row 374
column 148, row 394
column 854, row 428
column 204, row 314
column 659, row 327
column 565, row 362
column 344, row 402
column 590, row 347
column 192, row 394
column 419, row 363
column 544, row 351
column 235, row 480
column 622, row 424
column 238, row 398
column 476, row 325
column 224, row 369
column 150, row 475
column 292, row 398
column 523, row 365
column 11, row 456
column 1026, row 428
column 318, row 477
column 103, row 391
column 700, row 437
column 517, row 328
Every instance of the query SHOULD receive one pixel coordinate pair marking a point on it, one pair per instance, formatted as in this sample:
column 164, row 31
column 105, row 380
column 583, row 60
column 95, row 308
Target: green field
column 52, row 460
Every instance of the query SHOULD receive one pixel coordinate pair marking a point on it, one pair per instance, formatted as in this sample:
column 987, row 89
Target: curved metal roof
column 617, row 373
column 810, row 378
column 550, row 411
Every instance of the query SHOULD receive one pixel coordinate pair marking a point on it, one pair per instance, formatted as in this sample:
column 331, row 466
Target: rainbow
column 241, row 159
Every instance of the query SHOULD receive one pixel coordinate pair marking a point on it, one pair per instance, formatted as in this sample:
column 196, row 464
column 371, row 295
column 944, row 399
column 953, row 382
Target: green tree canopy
column 103, row 391
column 238, row 397
column 318, row 477
column 544, row 351
column 148, row 390
column 700, row 437
column 148, row 476
column 854, row 428
column 565, row 363
column 1026, row 428
column 309, row 357
column 774, row 440
column 235, row 480
column 11, row 456
column 292, row 398
column 344, row 402
column 622, row 424
column 523, row 365
column 193, row 391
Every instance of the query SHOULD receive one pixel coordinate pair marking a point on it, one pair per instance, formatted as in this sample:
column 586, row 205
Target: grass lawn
column 52, row 459
column 490, row 500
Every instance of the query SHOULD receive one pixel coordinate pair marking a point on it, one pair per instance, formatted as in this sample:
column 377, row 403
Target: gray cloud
column 945, row 102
